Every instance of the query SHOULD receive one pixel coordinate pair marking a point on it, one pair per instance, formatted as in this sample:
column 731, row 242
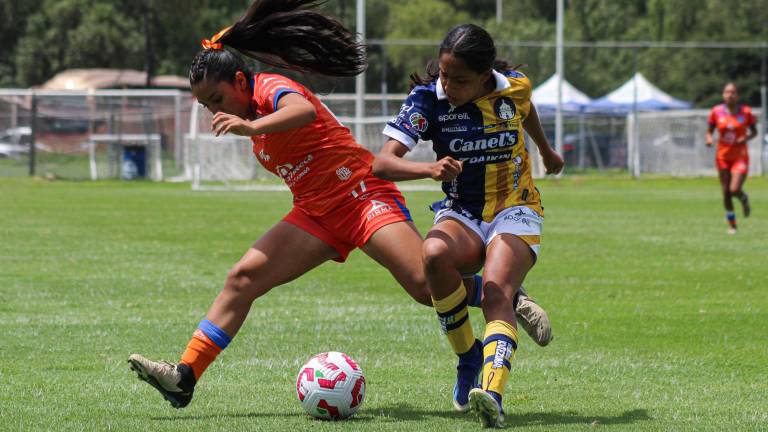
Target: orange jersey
column 320, row 162
column 731, row 127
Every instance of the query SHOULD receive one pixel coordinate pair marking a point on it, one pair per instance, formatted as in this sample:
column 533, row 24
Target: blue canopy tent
column 649, row 98
column 635, row 95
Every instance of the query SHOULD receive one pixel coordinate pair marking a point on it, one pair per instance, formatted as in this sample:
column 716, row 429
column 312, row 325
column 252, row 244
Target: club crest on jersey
column 378, row 208
column 343, row 173
column 504, row 108
column 418, row 121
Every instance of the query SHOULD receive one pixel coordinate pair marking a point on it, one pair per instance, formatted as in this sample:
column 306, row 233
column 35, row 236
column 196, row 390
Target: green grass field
column 660, row 318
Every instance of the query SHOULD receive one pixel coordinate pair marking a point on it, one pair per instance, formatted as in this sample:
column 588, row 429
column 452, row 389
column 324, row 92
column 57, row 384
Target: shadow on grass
column 572, row 417
column 406, row 413
column 403, row 412
column 254, row 415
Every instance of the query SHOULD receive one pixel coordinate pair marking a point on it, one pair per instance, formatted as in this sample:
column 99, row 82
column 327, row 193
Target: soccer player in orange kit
column 735, row 125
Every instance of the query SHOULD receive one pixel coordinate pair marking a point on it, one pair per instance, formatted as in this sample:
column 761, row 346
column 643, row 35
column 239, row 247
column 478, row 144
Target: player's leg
column 508, row 260
column 738, row 177
column 450, row 250
column 397, row 247
column 284, row 253
column 724, row 175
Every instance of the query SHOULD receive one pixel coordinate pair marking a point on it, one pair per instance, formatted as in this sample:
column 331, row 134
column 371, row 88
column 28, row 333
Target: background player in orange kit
column 735, row 125
column 338, row 204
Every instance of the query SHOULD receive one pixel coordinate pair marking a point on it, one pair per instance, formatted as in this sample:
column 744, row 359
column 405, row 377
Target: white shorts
column 520, row 221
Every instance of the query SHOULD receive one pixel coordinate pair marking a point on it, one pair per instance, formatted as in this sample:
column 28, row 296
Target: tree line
column 43, row 37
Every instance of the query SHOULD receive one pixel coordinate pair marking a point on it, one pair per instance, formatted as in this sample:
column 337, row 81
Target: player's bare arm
column 752, row 133
column 553, row 162
column 293, row 111
column 390, row 165
column 710, row 130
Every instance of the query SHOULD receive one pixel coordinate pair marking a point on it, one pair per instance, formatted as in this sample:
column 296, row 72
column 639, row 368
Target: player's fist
column 446, row 169
column 553, row 162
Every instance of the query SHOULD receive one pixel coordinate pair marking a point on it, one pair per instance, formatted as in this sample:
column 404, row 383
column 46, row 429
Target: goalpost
column 673, row 143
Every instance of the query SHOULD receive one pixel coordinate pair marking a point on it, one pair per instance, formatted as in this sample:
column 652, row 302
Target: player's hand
column 224, row 123
column 553, row 162
column 446, row 169
column 709, row 141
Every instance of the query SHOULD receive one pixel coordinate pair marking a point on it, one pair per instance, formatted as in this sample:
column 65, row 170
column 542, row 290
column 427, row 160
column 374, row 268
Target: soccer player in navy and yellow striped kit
column 474, row 109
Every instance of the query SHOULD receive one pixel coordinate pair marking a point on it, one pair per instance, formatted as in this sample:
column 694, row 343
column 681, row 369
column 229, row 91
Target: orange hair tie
column 213, row 43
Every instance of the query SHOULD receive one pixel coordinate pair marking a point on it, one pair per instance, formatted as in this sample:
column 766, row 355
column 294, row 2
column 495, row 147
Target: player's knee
column 242, row 284
column 734, row 190
column 436, row 255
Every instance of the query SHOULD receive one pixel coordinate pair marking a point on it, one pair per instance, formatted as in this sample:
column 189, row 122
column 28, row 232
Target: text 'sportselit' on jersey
column 320, row 162
column 486, row 134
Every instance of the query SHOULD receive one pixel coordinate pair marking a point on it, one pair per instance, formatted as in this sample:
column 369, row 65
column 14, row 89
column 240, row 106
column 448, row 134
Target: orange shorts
column 738, row 165
column 373, row 204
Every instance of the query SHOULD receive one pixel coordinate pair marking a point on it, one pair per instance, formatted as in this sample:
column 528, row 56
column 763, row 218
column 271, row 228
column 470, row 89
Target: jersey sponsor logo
column 504, row 108
column 454, row 129
column 502, row 140
column 344, row 173
column 378, row 208
column 263, row 155
column 453, row 116
column 291, row 174
column 503, row 352
column 418, row 121
column 488, row 159
column 520, row 216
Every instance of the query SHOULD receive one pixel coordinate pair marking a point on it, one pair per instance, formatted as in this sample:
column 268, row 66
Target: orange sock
column 200, row 353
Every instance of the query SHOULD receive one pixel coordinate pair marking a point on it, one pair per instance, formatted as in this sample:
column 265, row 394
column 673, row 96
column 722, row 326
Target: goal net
column 673, row 143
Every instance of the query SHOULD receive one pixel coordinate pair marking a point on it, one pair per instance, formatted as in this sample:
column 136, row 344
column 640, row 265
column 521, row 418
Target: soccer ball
column 331, row 386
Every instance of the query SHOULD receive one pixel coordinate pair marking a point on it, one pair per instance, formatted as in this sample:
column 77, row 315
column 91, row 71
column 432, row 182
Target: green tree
column 76, row 33
column 427, row 20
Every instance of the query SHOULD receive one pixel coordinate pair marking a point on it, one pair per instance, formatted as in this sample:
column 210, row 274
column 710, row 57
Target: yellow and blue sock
column 207, row 342
column 499, row 346
column 454, row 320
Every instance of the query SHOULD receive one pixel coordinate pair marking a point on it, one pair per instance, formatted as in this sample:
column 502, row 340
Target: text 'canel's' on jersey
column 485, row 134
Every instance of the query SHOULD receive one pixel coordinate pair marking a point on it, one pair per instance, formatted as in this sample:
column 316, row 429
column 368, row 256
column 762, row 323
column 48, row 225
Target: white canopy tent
column 545, row 96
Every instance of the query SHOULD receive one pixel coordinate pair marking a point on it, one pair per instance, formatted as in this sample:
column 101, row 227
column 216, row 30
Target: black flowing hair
column 285, row 34
column 471, row 44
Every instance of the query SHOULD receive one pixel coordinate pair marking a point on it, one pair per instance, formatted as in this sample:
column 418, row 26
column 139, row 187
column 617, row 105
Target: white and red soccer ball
column 331, row 386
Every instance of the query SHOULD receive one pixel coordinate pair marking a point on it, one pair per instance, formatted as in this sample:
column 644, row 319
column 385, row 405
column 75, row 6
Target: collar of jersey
column 501, row 83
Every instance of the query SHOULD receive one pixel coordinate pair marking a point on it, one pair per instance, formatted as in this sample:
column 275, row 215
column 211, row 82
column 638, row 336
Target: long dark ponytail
column 470, row 43
column 285, row 34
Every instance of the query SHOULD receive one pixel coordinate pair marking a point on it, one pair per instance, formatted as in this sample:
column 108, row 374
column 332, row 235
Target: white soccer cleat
column 533, row 318
column 175, row 382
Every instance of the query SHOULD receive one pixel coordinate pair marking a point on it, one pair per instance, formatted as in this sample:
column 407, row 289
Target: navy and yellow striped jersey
column 486, row 134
